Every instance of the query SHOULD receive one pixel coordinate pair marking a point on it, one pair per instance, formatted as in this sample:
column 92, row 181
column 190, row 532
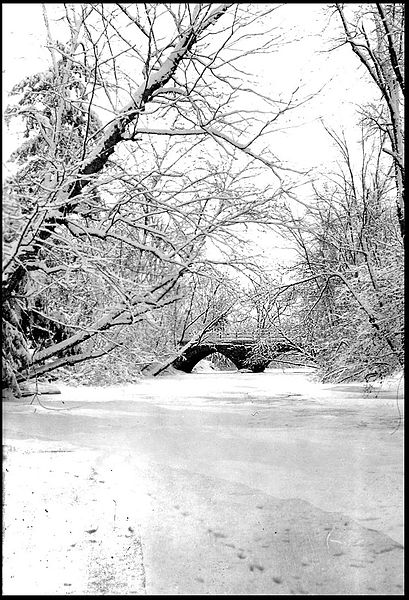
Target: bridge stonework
column 238, row 350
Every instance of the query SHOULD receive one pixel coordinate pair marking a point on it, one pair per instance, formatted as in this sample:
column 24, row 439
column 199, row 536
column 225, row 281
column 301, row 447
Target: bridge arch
column 237, row 347
column 197, row 353
column 239, row 355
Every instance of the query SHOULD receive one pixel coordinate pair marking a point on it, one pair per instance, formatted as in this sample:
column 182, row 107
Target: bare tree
column 375, row 33
column 138, row 154
column 349, row 277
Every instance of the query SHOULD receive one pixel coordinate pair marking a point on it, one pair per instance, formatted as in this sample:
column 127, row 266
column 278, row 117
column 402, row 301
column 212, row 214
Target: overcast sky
column 306, row 62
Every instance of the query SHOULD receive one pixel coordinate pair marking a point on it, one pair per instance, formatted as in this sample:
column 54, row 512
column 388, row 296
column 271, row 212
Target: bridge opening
column 216, row 361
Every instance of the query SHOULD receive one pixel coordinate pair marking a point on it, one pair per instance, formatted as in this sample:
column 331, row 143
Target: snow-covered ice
column 205, row 483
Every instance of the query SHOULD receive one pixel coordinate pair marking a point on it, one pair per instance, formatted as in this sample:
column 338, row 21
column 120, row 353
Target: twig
column 397, row 406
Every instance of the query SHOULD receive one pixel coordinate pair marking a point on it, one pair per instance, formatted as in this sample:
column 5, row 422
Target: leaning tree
column 143, row 145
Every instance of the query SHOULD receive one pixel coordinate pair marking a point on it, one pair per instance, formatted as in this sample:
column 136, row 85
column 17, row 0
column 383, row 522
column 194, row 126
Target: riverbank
column 208, row 483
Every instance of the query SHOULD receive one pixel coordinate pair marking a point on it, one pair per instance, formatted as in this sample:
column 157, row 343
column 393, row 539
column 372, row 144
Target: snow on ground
column 205, row 483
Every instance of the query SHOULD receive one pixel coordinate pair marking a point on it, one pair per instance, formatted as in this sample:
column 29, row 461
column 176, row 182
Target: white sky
column 303, row 61
column 307, row 61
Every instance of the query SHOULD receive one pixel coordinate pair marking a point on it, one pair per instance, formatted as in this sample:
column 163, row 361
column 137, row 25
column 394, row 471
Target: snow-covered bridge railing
column 235, row 336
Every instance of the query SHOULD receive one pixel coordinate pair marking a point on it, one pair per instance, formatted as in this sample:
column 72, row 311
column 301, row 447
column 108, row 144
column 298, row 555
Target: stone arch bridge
column 237, row 346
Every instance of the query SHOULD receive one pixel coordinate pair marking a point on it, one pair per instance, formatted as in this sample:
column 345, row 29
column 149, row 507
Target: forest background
column 181, row 168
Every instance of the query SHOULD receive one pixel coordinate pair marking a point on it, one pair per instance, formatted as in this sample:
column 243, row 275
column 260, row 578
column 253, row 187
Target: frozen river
column 206, row 483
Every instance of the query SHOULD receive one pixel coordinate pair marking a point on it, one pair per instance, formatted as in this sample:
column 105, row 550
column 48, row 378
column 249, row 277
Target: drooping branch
column 68, row 196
